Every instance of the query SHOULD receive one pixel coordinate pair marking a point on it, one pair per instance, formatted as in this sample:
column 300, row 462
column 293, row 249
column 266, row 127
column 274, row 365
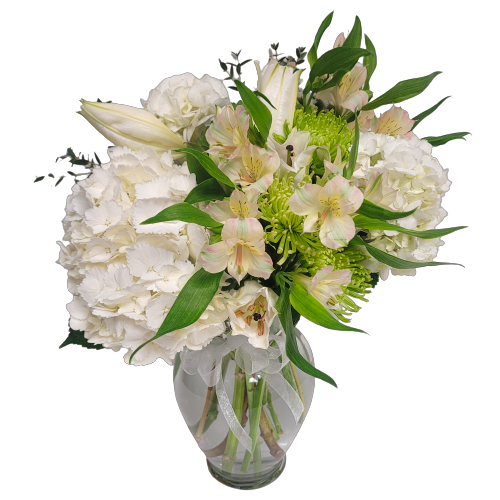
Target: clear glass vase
column 260, row 404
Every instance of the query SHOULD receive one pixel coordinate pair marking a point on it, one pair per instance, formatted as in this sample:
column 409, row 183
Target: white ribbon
column 208, row 364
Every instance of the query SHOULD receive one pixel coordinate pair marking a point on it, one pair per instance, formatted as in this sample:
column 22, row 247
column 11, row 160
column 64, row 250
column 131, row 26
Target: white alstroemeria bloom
column 227, row 134
column 242, row 251
column 99, row 250
column 280, row 85
column 347, row 95
column 252, row 310
column 326, row 284
column 395, row 121
column 103, row 217
column 238, row 205
column 253, row 169
column 131, row 127
column 185, row 103
column 337, row 167
column 296, row 154
column 333, row 203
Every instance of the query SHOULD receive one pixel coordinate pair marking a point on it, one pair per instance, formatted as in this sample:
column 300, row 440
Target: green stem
column 257, row 461
column 274, row 415
column 255, row 396
column 238, row 400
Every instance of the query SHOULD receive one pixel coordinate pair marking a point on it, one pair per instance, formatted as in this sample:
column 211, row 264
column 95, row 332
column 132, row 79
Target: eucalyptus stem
column 238, row 401
column 255, row 396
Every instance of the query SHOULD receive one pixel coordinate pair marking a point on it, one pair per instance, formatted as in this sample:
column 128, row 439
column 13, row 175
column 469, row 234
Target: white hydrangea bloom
column 185, row 103
column 401, row 174
column 124, row 276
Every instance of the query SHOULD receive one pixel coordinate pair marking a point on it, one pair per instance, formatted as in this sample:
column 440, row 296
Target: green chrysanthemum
column 341, row 259
column 284, row 231
column 326, row 129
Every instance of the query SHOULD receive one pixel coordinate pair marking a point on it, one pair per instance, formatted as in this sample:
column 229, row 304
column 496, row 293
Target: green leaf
column 396, row 262
column 336, row 62
column 323, row 27
column 183, row 212
column 292, row 350
column 215, row 238
column 354, row 38
column 426, row 113
column 370, row 62
column 260, row 94
column 208, row 164
column 373, row 211
column 312, row 56
column 196, row 168
column 208, row 190
column 77, row 337
column 353, row 153
column 443, row 139
column 306, row 305
column 190, row 304
column 363, row 222
column 256, row 108
column 402, row 91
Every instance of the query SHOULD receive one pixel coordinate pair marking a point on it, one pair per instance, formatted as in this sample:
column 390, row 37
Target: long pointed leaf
column 306, row 305
column 257, row 109
column 183, row 212
column 208, row 164
column 312, row 55
column 396, row 262
column 427, row 112
column 353, row 154
column 189, row 305
column 354, row 38
column 292, row 350
column 373, row 211
column 370, row 62
column 209, row 190
column 196, row 168
column 367, row 223
column 402, row 91
column 443, row 139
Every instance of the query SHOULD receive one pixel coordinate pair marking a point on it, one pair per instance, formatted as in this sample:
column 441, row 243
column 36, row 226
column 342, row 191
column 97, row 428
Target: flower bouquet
column 216, row 225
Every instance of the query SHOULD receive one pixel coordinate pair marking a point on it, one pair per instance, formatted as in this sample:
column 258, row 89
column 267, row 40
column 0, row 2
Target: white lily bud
column 280, row 85
column 131, row 127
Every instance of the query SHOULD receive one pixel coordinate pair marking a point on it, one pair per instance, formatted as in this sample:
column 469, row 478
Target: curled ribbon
column 208, row 364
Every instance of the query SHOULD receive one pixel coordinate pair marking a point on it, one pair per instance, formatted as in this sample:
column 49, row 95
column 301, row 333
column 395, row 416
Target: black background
column 397, row 418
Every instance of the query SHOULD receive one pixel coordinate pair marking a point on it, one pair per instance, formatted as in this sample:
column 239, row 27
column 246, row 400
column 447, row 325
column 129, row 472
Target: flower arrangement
column 216, row 225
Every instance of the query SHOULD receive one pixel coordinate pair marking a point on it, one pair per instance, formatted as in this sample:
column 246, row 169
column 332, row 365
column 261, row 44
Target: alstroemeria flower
column 242, row 250
column 326, row 284
column 364, row 121
column 228, row 132
column 238, row 205
column 333, row 203
column 253, row 168
column 395, row 121
column 337, row 166
column 347, row 95
column 280, row 85
column 252, row 310
column 295, row 153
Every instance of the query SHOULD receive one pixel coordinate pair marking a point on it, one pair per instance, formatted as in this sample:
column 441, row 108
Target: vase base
column 247, row 482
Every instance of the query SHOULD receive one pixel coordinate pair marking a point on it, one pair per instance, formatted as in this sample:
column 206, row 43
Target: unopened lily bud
column 131, row 127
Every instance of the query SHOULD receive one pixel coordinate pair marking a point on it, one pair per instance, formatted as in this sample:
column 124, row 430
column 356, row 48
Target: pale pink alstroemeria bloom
column 332, row 203
column 239, row 205
column 339, row 41
column 364, row 121
column 253, row 168
column 326, row 284
column 347, row 96
column 228, row 132
column 395, row 121
column 242, row 251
